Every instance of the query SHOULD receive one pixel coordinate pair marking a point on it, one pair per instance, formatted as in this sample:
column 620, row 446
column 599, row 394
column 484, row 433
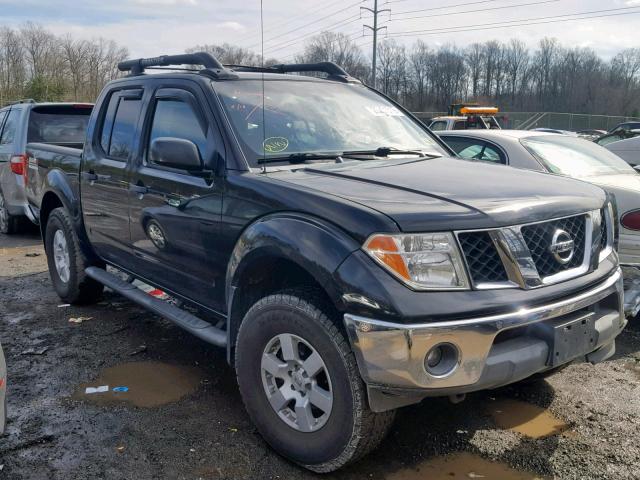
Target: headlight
column 423, row 261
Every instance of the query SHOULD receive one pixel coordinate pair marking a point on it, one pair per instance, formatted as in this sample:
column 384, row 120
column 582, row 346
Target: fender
column 315, row 245
column 57, row 183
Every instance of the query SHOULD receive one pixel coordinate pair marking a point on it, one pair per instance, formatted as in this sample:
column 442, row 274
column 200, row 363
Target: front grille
column 538, row 238
column 482, row 257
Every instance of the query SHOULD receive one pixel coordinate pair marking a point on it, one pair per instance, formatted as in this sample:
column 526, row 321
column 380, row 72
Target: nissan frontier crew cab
column 316, row 230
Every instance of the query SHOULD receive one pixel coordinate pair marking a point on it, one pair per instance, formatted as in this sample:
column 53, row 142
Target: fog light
column 441, row 360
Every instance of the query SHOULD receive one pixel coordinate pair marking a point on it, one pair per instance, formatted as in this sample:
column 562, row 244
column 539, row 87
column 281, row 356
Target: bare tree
column 337, row 48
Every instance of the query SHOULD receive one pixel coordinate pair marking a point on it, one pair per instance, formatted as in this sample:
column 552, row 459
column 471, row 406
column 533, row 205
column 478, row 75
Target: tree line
column 35, row 63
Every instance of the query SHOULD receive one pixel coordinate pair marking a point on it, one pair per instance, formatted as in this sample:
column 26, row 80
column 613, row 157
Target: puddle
column 150, row 384
column 461, row 465
column 526, row 418
column 22, row 260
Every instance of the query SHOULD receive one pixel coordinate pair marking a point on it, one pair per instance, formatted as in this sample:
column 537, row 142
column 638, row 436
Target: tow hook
column 458, row 398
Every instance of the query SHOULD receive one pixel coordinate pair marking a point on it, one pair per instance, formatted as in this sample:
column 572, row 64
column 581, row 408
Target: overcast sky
column 152, row 27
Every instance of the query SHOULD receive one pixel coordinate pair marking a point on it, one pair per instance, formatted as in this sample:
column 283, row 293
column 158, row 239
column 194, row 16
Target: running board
column 191, row 323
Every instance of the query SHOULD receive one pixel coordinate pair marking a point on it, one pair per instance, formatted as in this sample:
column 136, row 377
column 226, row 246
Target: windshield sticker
column 385, row 111
column 275, row 144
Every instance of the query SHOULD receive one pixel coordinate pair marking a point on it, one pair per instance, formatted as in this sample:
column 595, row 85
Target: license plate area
column 572, row 338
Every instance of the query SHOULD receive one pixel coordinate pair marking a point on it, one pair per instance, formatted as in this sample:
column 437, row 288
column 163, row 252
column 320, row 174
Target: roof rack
column 213, row 68
column 23, row 100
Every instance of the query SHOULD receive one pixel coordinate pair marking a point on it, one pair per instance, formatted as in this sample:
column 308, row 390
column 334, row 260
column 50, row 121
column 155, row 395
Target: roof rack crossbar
column 212, row 66
column 331, row 69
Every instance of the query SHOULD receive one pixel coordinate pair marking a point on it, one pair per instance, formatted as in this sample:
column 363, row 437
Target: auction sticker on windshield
column 275, row 144
column 385, row 111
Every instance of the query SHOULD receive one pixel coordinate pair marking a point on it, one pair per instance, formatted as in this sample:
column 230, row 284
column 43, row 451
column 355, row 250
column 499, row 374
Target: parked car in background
column 572, row 157
column 466, row 117
column 626, row 126
column 624, row 143
column 555, row 130
column 3, row 391
column 591, row 133
column 61, row 124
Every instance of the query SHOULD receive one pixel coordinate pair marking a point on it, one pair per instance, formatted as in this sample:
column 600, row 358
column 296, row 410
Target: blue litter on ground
column 120, row 389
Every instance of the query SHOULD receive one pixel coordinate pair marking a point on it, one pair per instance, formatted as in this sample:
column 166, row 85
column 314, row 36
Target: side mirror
column 175, row 153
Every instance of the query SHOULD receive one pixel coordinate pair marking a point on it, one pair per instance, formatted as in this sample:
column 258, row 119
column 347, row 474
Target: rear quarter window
column 10, row 127
column 58, row 125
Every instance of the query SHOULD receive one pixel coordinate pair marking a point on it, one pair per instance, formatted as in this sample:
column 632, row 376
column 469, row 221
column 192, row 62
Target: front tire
column 300, row 384
column 67, row 262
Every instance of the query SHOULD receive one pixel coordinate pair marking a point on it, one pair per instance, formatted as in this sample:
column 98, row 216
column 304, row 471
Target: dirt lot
column 182, row 416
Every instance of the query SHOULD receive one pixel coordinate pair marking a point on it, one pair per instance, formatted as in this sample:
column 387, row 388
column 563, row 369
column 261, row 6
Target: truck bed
column 46, row 163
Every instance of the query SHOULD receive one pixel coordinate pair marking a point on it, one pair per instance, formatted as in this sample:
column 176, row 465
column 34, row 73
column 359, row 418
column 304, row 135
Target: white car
column 624, row 143
column 3, row 391
column 573, row 157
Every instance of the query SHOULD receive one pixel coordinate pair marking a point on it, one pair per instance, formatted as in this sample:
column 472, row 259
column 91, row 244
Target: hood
column 450, row 194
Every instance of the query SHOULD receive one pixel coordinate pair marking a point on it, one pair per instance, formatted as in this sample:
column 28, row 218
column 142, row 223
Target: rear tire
column 9, row 224
column 67, row 262
column 350, row 430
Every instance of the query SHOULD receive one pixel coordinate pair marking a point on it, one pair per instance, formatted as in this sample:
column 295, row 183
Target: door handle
column 140, row 189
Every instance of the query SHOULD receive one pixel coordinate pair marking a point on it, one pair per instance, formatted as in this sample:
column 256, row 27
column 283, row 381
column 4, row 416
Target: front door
column 175, row 214
column 104, row 177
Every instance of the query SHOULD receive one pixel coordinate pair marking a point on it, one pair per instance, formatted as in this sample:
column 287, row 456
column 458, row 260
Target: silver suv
column 25, row 122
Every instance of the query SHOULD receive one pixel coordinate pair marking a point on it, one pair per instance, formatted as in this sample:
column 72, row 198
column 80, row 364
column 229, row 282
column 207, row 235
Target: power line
column 295, row 17
column 445, row 7
column 514, row 23
column 477, row 10
column 308, row 24
column 328, row 28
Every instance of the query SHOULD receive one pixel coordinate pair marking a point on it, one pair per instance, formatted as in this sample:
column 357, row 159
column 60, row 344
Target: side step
column 191, row 323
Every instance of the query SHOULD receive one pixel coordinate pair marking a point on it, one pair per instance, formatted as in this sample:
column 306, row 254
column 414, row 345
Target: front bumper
column 492, row 351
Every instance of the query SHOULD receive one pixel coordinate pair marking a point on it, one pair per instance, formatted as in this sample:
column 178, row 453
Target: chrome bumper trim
column 392, row 354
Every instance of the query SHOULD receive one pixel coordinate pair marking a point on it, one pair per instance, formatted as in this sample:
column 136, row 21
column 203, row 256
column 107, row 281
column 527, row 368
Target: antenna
column 264, row 127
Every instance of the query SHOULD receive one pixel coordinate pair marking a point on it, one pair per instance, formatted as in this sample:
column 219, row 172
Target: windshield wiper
column 388, row 151
column 295, row 158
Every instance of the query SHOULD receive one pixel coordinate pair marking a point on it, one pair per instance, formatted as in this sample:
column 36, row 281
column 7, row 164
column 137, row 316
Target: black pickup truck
column 324, row 237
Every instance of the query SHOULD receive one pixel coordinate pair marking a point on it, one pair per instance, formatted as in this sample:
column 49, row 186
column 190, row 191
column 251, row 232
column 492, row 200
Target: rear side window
column 460, row 125
column 177, row 119
column 10, row 127
column 119, row 126
column 475, row 149
column 58, row 125
column 438, row 126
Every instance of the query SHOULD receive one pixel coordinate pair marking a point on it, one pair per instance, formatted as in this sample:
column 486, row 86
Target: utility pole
column 375, row 30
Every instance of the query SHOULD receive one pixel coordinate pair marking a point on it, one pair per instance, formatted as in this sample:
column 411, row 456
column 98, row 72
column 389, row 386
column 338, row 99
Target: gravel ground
column 183, row 418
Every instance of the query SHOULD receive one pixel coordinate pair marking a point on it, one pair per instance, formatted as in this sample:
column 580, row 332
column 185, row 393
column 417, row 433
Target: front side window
column 302, row 116
column 575, row 157
column 10, row 127
column 177, row 119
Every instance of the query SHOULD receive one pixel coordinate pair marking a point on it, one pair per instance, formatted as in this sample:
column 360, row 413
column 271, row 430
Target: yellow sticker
column 275, row 144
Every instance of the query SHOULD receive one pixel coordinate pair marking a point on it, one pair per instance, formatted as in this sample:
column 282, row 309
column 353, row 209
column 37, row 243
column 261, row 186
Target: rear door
column 175, row 214
column 104, row 179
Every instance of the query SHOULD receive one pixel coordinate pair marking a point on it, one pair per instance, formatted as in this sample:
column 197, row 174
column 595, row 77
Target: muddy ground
column 182, row 416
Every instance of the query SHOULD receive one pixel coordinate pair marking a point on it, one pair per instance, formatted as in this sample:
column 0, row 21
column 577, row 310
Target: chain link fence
column 561, row 121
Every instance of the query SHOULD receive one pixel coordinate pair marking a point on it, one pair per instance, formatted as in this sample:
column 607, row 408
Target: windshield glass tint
column 59, row 128
column 317, row 117
column 575, row 157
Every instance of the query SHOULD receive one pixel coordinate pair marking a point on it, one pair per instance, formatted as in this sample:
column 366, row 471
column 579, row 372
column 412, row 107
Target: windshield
column 317, row 117
column 575, row 157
